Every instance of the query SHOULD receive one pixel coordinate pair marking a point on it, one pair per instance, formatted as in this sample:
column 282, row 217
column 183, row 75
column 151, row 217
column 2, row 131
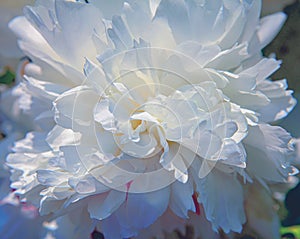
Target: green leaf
column 8, row 77
column 293, row 229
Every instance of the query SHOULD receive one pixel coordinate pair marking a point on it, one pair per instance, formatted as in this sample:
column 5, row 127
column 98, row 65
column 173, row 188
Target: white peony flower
column 161, row 112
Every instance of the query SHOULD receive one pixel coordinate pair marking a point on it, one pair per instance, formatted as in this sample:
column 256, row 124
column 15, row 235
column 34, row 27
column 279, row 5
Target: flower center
column 135, row 124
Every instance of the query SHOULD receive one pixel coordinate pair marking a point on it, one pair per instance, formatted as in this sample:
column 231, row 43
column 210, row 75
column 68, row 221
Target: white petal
column 153, row 6
column 119, row 34
column 131, row 215
column 281, row 100
column 229, row 59
column 269, row 153
column 59, row 136
column 104, row 116
column 111, row 228
column 74, row 107
column 102, row 207
column 222, row 197
column 270, row 26
column 51, row 178
column 177, row 16
column 181, row 200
